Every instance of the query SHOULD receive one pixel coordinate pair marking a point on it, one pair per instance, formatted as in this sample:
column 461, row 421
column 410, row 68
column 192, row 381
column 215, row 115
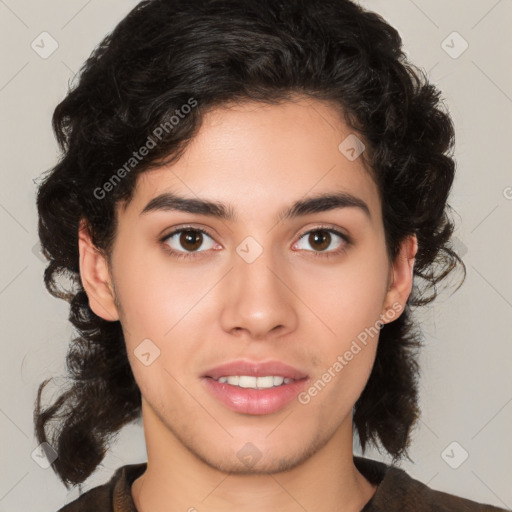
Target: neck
column 177, row 479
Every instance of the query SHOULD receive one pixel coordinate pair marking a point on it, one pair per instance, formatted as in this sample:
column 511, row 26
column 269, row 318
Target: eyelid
column 180, row 229
column 185, row 227
column 328, row 227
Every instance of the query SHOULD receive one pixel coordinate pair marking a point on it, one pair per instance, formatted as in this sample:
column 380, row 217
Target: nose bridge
column 258, row 300
column 256, row 270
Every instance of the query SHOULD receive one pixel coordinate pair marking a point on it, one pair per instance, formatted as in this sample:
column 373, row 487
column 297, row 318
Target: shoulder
column 399, row 491
column 98, row 499
column 102, row 497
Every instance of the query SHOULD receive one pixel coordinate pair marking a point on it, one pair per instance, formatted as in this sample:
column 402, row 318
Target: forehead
column 258, row 158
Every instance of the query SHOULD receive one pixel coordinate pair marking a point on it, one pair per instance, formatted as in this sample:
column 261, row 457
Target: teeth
column 233, row 380
column 276, row 381
column 248, row 381
column 245, row 381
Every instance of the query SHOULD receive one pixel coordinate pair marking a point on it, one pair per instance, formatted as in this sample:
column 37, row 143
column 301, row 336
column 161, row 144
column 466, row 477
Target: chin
column 253, row 455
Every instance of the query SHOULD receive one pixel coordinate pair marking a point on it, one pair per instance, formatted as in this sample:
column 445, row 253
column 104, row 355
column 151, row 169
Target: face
column 256, row 286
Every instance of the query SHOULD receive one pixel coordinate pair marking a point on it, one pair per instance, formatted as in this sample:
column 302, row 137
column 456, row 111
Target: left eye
column 321, row 239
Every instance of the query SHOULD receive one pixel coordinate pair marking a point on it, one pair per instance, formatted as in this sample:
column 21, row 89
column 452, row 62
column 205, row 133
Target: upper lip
column 255, row 369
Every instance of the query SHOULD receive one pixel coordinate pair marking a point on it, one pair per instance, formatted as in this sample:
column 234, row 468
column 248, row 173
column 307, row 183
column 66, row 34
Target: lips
column 255, row 369
column 260, row 401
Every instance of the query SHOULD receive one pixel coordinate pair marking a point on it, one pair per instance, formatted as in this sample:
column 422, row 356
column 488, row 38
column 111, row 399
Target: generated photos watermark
column 144, row 150
column 342, row 360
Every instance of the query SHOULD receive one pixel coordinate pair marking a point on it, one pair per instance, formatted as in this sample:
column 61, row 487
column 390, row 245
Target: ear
column 401, row 279
column 95, row 276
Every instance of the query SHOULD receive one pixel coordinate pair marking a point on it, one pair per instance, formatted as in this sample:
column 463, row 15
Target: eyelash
column 317, row 254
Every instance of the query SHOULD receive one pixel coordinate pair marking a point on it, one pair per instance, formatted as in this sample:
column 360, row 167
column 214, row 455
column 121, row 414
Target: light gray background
column 466, row 388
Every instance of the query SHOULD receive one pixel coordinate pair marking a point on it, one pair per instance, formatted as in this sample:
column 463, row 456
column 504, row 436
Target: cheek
column 346, row 363
column 348, row 304
column 348, row 298
column 154, row 295
column 157, row 305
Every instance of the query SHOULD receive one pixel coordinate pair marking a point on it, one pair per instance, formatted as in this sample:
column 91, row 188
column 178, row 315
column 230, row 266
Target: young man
column 246, row 194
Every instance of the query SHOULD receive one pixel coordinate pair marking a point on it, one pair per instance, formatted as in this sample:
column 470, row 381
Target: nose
column 259, row 301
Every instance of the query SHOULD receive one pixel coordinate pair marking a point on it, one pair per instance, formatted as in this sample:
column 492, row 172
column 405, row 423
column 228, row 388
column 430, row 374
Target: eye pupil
column 191, row 237
column 320, row 236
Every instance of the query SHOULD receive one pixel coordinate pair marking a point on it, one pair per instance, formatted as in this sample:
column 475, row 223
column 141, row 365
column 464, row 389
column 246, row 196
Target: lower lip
column 255, row 401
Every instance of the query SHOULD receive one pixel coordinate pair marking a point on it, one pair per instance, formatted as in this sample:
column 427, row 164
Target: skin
column 215, row 307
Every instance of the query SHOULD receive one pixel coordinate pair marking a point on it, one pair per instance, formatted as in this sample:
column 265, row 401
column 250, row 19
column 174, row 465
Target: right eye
column 190, row 239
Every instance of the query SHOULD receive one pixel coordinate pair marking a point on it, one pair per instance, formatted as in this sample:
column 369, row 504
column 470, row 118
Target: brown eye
column 191, row 240
column 188, row 241
column 321, row 239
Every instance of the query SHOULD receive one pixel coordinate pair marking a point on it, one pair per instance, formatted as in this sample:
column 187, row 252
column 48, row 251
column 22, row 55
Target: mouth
column 247, row 370
column 250, row 381
column 255, row 388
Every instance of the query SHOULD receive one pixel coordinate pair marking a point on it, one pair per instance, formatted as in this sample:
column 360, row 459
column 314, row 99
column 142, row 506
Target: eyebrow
column 315, row 204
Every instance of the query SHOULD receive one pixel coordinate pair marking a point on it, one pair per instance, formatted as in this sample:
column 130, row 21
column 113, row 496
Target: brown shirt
column 396, row 492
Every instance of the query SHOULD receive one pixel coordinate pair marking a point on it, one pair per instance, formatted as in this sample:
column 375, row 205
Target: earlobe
column 402, row 274
column 95, row 277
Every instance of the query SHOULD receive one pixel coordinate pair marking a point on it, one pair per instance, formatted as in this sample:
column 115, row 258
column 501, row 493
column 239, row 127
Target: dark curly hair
column 165, row 53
